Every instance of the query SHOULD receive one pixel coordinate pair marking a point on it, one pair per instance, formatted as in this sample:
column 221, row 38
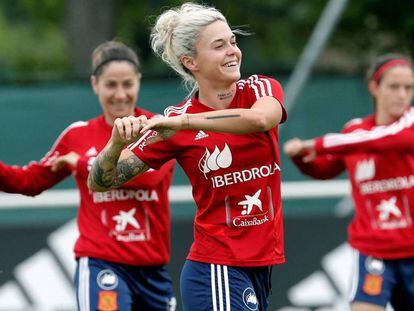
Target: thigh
column 403, row 294
column 373, row 281
column 261, row 279
column 220, row 287
column 153, row 289
column 99, row 286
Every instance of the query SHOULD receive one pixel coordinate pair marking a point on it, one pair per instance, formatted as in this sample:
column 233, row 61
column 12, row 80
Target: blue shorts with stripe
column 212, row 287
column 380, row 282
column 104, row 285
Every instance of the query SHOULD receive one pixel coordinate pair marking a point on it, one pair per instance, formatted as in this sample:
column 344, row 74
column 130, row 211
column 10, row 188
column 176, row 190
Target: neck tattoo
column 223, row 96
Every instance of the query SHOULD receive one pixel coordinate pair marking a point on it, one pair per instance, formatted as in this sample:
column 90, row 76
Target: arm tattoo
column 108, row 173
column 127, row 169
column 224, row 117
column 103, row 169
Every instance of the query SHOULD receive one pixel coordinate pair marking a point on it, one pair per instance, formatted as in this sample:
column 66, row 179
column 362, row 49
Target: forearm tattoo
column 108, row 173
column 224, row 117
column 128, row 169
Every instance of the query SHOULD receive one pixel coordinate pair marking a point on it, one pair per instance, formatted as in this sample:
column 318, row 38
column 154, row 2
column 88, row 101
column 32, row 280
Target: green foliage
column 372, row 27
column 31, row 42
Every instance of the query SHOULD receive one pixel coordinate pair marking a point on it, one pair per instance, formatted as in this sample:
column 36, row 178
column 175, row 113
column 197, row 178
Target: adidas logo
column 201, row 135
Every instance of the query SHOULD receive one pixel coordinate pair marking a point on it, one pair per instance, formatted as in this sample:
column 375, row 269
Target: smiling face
column 117, row 88
column 217, row 57
column 393, row 93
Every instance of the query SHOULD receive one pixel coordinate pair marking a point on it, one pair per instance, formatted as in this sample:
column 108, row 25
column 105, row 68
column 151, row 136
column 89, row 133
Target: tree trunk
column 86, row 24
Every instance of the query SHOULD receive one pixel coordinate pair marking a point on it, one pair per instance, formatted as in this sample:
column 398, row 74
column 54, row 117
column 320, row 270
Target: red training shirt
column 128, row 225
column 235, row 180
column 380, row 164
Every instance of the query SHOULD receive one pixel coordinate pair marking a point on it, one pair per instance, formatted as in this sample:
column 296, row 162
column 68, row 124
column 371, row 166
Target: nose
column 402, row 92
column 120, row 93
column 231, row 49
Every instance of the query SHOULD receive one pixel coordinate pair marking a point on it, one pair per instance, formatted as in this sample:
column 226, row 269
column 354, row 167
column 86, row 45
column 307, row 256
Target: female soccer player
column 377, row 153
column 225, row 138
column 124, row 239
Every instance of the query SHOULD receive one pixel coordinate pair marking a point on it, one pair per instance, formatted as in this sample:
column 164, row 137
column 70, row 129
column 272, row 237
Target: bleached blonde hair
column 176, row 33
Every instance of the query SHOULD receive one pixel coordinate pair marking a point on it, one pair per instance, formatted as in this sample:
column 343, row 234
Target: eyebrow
column 222, row 40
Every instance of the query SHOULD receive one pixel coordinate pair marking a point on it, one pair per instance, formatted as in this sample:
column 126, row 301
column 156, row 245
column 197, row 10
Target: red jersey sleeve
column 261, row 86
column 396, row 137
column 322, row 167
column 35, row 177
column 155, row 154
column 82, row 167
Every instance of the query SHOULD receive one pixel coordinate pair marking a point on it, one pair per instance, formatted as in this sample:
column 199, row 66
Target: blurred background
column 319, row 51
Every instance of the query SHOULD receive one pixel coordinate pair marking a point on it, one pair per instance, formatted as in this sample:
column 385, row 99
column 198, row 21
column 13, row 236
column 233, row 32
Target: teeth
column 234, row 63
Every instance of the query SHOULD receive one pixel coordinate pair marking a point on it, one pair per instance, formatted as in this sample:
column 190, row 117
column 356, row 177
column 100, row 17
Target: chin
column 398, row 114
column 234, row 77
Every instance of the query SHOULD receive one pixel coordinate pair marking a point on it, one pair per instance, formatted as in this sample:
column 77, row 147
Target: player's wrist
column 185, row 121
column 115, row 145
column 309, row 144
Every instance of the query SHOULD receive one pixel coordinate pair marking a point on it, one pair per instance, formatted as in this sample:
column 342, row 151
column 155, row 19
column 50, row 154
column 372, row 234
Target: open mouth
column 230, row 64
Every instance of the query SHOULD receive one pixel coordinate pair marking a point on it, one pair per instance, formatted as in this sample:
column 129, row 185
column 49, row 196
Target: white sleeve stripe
column 71, row 126
column 261, row 87
column 334, row 140
column 268, row 87
column 133, row 145
column 256, row 91
column 177, row 110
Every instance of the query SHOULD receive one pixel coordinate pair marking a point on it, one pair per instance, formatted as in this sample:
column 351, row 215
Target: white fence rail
column 292, row 190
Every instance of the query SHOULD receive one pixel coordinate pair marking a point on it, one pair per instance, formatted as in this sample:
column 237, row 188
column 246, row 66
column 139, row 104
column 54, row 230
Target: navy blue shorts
column 107, row 286
column 211, row 287
column 380, row 282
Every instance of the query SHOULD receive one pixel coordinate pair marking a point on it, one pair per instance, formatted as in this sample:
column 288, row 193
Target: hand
column 70, row 159
column 294, row 147
column 164, row 126
column 127, row 130
column 309, row 146
column 175, row 123
column 297, row 147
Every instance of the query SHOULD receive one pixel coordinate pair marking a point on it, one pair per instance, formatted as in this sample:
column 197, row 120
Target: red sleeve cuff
column 319, row 148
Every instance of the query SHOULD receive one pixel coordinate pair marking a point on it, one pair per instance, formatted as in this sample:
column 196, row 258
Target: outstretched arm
column 319, row 167
column 29, row 180
column 396, row 137
column 36, row 177
column 265, row 114
column 115, row 166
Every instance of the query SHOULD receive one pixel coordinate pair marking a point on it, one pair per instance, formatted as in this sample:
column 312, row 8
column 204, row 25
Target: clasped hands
column 130, row 129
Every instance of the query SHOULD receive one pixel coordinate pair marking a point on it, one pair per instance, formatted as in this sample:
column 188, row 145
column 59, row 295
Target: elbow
column 94, row 187
column 262, row 123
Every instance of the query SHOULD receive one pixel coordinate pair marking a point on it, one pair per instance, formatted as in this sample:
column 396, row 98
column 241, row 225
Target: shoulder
column 141, row 111
column 76, row 126
column 179, row 109
column 357, row 124
column 73, row 130
column 256, row 81
column 261, row 86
